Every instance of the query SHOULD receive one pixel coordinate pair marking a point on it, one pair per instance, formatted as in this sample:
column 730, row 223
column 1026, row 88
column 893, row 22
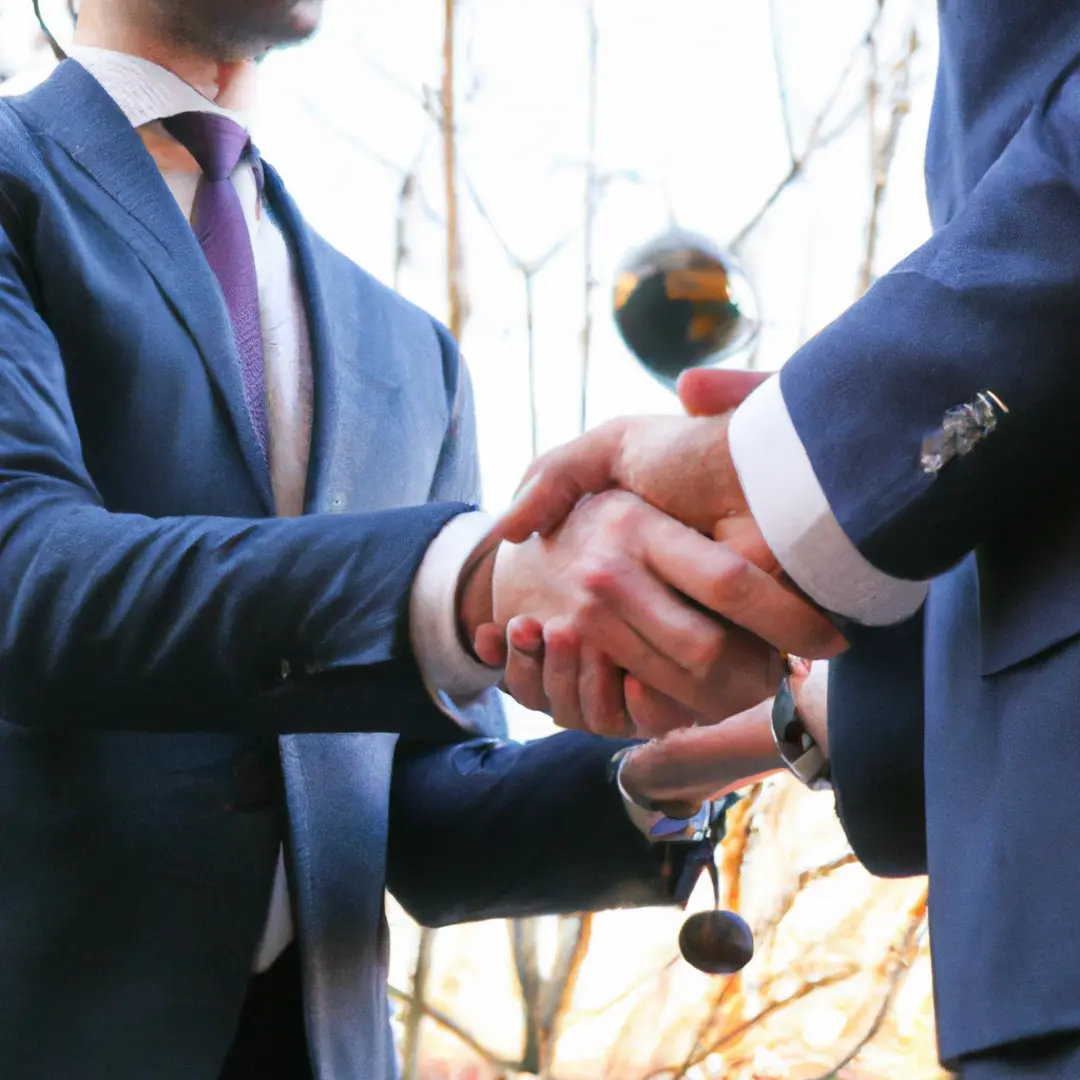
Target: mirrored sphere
column 681, row 302
column 716, row 942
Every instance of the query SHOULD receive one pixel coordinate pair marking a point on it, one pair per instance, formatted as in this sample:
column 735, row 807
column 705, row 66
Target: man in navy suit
column 241, row 569
column 913, row 470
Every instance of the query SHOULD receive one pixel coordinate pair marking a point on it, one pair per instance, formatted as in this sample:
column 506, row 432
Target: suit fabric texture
column 177, row 667
column 956, row 737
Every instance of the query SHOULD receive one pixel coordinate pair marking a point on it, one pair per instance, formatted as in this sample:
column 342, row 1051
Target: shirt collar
column 144, row 91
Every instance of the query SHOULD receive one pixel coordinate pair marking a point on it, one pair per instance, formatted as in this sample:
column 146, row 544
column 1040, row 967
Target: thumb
column 711, row 391
column 558, row 481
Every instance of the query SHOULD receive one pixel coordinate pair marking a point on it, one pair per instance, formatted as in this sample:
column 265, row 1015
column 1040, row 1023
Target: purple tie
column 218, row 144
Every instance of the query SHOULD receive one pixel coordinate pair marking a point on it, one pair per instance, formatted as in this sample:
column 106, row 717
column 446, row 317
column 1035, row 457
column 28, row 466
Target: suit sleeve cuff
column 797, row 523
column 453, row 677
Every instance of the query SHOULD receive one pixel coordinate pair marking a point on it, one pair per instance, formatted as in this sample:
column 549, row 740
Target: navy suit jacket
column 169, row 652
column 956, row 737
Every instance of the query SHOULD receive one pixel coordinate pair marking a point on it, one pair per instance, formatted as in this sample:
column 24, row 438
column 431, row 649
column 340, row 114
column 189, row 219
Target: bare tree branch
column 883, row 146
column 545, row 1000
column 448, row 1023
column 391, row 79
column 899, row 965
column 528, row 270
column 455, row 286
column 814, row 140
column 416, row 1010
column 781, row 80
column 591, row 200
column 732, row 1035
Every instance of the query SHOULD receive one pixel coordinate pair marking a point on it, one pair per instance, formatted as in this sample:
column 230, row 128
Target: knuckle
column 707, row 652
column 730, row 585
column 562, row 638
column 601, row 579
column 615, row 508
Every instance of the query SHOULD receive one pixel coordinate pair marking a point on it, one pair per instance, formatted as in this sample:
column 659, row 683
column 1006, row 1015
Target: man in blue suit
column 241, row 567
column 913, row 470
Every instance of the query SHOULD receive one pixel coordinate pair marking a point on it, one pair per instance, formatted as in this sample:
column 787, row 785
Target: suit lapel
column 356, row 401
column 73, row 110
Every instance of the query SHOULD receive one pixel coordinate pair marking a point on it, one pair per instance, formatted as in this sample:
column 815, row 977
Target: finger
column 524, row 677
column 601, row 693
column 526, row 635
column 562, row 666
column 711, row 391
column 490, row 645
column 557, row 481
column 741, row 534
column 668, row 622
column 654, row 714
column 731, row 586
column 748, row 672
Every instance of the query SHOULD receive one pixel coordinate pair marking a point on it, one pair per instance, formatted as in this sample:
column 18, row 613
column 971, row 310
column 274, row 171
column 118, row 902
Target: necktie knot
column 214, row 141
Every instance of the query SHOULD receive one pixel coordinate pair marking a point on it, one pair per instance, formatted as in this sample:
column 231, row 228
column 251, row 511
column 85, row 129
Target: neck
column 230, row 84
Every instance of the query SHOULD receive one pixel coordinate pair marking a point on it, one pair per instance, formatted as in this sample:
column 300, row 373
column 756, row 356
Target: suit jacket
column 956, row 736
column 169, row 653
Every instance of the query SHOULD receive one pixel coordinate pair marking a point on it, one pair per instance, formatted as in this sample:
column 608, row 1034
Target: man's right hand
column 681, row 466
column 628, row 584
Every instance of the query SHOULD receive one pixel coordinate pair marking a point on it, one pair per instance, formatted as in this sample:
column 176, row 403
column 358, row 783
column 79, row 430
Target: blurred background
column 496, row 160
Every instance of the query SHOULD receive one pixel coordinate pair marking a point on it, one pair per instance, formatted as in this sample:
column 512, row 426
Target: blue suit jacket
column 956, row 737
column 168, row 651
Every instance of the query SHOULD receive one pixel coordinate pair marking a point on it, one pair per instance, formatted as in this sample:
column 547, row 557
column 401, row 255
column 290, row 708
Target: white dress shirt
column 798, row 524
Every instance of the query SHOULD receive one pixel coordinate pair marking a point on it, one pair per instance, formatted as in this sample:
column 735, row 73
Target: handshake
column 628, row 590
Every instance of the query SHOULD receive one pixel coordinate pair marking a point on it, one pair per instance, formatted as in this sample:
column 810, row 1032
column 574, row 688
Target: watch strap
column 798, row 749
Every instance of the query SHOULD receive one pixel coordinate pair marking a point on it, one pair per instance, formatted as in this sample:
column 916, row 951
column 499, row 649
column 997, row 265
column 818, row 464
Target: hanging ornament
column 681, row 302
column 716, row 942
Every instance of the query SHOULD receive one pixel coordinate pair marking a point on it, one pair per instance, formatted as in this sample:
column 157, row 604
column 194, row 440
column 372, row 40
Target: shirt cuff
column 452, row 676
column 797, row 523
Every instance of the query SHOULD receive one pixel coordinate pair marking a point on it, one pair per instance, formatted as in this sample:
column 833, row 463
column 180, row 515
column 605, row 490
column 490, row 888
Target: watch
column 798, row 749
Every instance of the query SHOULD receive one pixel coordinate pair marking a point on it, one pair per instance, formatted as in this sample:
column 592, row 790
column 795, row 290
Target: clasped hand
column 634, row 592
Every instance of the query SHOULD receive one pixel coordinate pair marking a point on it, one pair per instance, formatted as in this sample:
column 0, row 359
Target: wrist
column 692, row 765
column 475, row 596
column 634, row 782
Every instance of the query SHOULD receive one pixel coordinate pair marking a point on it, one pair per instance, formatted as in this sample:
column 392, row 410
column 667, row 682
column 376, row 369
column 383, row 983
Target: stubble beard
column 231, row 31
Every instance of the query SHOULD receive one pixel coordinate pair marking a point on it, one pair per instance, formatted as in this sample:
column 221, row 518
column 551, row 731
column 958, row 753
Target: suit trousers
column 1055, row 1057
column 270, row 1041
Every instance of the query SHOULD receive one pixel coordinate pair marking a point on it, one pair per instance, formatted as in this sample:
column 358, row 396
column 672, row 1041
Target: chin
column 305, row 18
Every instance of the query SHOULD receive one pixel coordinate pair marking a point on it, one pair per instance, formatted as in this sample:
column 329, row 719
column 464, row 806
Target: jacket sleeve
column 120, row 621
column 457, row 480
column 493, row 829
column 990, row 303
column 876, row 747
